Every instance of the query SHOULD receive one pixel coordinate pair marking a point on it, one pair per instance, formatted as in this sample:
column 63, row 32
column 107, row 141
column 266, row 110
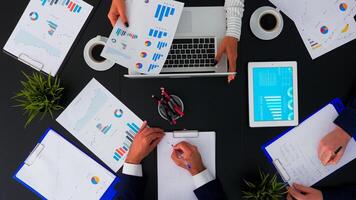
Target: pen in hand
column 180, row 156
column 335, row 153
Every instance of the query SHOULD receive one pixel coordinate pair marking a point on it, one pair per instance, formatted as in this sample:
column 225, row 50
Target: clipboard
column 109, row 194
column 46, row 32
column 283, row 167
column 171, row 177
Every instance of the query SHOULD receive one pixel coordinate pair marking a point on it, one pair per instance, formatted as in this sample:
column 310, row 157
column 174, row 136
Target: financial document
column 102, row 123
column 46, row 32
column 176, row 180
column 57, row 170
column 295, row 154
column 144, row 46
column 323, row 25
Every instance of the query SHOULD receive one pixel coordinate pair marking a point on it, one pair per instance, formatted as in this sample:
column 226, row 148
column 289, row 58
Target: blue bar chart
column 157, row 33
column 70, row 5
column 156, row 57
column 274, row 105
column 103, row 129
column 163, row 11
column 161, row 45
column 120, row 32
column 152, row 66
column 130, row 135
column 52, row 27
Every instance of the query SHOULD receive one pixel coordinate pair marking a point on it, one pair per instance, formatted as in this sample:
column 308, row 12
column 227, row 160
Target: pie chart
column 148, row 43
column 34, row 16
column 143, row 54
column 343, row 7
column 95, row 180
column 324, row 30
column 138, row 65
column 118, row 113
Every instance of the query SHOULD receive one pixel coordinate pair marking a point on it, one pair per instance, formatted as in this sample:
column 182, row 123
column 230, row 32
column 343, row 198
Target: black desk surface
column 211, row 104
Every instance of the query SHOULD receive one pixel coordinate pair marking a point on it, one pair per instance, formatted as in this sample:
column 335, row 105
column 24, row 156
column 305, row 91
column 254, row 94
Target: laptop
column 195, row 44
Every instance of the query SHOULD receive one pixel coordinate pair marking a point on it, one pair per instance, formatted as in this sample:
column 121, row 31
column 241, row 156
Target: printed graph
column 152, row 66
column 118, row 113
column 161, row 45
column 34, row 16
column 70, row 5
column 52, row 27
column 95, row 180
column 163, row 11
column 157, row 33
column 122, row 33
column 103, row 129
column 130, row 134
column 313, row 44
column 156, row 57
column 274, row 105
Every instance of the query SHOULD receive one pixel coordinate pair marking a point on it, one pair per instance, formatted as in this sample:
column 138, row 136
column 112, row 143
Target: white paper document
column 144, row 46
column 46, row 32
column 295, row 154
column 57, row 170
column 175, row 183
column 323, row 25
column 102, row 123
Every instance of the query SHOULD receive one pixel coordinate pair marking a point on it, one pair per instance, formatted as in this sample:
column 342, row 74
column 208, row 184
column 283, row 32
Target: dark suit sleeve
column 347, row 119
column 211, row 191
column 130, row 187
column 342, row 193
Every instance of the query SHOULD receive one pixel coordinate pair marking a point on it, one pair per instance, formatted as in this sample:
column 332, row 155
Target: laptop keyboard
column 192, row 52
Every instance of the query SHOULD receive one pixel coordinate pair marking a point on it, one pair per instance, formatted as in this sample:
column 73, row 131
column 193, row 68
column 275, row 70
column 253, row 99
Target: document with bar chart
column 144, row 46
column 102, row 123
column 46, row 32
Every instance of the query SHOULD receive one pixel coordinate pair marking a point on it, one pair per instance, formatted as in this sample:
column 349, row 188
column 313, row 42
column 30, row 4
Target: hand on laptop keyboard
column 229, row 46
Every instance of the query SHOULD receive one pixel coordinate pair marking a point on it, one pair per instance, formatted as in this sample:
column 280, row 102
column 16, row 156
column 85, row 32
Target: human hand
column 144, row 142
column 330, row 143
column 300, row 192
column 229, row 46
column 186, row 154
column 118, row 10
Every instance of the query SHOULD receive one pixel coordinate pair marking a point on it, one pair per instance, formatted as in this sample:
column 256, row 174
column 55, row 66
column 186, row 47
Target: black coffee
column 268, row 22
column 96, row 51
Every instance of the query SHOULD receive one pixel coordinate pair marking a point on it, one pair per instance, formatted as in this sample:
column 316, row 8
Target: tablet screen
column 273, row 93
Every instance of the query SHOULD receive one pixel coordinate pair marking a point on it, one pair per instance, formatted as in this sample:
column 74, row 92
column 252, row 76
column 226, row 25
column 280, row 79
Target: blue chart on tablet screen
column 273, row 94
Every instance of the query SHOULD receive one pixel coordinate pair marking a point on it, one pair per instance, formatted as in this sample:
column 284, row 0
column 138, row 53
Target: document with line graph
column 46, row 32
column 102, row 123
column 144, row 46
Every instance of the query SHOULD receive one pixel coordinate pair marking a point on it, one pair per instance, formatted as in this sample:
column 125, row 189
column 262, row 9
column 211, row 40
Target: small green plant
column 39, row 95
column 268, row 188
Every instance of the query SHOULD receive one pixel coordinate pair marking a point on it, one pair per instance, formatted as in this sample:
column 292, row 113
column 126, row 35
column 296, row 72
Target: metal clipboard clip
column 186, row 134
column 30, row 61
column 282, row 171
column 36, row 152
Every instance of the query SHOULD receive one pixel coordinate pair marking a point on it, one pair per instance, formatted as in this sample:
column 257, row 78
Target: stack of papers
column 323, row 25
column 144, row 46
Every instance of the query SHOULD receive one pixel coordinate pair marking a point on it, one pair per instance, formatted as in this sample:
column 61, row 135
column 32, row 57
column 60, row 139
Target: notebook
column 176, row 180
column 46, row 32
column 56, row 169
column 294, row 154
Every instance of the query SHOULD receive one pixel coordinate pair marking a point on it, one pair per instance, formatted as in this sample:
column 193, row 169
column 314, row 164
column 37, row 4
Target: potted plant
column 268, row 188
column 39, row 95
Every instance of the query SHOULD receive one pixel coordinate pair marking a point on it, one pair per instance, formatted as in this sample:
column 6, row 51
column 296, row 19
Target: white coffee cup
column 267, row 31
column 99, row 63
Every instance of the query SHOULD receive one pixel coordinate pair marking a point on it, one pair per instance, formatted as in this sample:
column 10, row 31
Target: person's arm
column 234, row 12
column 131, row 182
column 188, row 157
column 341, row 193
column 347, row 119
column 332, row 147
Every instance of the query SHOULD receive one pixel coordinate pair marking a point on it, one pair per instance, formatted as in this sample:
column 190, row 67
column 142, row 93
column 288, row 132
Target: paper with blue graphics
column 46, row 32
column 102, row 123
column 58, row 170
column 144, row 46
column 273, row 94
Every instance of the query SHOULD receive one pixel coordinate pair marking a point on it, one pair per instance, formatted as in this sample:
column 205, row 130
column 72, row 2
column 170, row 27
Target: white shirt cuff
column 202, row 178
column 132, row 169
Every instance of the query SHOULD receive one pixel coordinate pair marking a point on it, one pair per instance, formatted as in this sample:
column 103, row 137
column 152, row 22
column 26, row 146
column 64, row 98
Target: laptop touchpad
column 185, row 22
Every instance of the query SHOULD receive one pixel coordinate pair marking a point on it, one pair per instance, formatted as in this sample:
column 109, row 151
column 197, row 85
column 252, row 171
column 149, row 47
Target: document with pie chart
column 102, row 123
column 56, row 169
column 46, row 31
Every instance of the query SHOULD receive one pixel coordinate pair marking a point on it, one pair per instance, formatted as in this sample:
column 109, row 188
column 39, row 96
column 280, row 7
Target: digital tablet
column 273, row 94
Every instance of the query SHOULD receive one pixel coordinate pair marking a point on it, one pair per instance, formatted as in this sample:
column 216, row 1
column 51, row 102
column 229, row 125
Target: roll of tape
column 256, row 27
column 98, row 65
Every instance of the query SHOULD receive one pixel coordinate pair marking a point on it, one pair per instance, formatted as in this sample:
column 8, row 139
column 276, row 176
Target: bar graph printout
column 102, row 123
column 143, row 46
column 46, row 32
